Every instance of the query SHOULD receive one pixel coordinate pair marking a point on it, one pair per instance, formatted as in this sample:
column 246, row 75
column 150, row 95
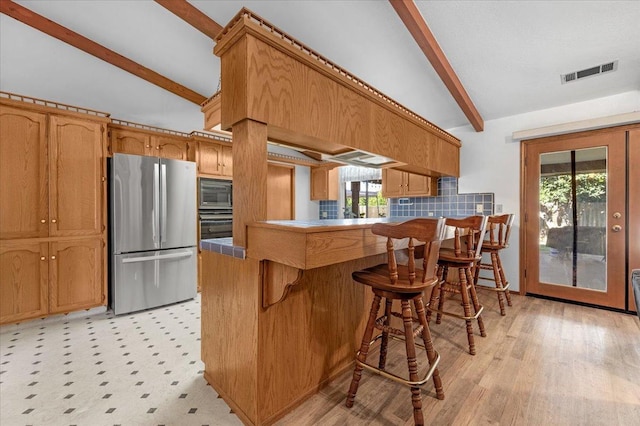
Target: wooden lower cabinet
column 40, row 278
column 24, row 277
column 75, row 275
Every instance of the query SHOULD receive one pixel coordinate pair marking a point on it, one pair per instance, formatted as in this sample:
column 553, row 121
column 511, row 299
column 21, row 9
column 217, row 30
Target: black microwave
column 215, row 194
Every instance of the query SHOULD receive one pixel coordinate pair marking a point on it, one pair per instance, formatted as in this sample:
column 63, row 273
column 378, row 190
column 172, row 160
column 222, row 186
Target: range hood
column 361, row 158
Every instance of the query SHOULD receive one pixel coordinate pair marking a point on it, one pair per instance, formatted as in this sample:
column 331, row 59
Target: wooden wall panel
column 311, row 336
column 230, row 301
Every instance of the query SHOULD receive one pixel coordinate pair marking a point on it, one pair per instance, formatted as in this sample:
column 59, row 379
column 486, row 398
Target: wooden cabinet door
column 129, row 142
column 209, row 158
column 76, row 268
column 416, row 185
column 170, row 147
column 227, row 161
column 280, row 193
column 23, row 174
column 23, row 280
column 392, row 183
column 319, row 183
column 76, row 173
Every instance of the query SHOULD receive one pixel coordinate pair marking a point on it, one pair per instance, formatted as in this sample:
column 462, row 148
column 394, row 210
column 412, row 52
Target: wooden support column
column 249, row 177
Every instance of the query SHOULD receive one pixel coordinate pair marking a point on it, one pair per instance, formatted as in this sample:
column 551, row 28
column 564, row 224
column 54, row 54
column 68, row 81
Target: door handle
column 158, row 257
column 163, row 185
column 616, row 228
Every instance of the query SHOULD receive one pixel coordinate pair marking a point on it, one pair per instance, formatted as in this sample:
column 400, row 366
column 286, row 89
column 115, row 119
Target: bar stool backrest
column 499, row 238
column 468, row 232
column 428, row 231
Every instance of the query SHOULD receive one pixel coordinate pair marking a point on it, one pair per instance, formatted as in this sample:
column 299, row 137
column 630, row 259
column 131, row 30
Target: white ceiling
column 508, row 54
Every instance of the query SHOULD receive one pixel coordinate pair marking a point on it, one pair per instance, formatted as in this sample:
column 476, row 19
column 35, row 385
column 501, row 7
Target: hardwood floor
column 544, row 363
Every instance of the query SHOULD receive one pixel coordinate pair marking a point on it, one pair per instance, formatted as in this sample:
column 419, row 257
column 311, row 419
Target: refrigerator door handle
column 163, row 184
column 155, row 215
column 158, row 257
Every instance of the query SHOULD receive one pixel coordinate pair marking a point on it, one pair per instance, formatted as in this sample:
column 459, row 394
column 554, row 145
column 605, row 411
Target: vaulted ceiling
column 508, row 55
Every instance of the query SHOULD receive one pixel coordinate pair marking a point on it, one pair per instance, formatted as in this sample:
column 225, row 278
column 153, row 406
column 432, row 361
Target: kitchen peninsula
column 280, row 314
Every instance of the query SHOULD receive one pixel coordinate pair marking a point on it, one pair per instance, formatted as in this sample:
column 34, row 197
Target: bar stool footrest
column 451, row 314
column 484, row 287
column 394, row 377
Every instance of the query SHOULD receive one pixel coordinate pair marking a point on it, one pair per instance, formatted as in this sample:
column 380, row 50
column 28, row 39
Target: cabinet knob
column 148, row 146
column 54, row 221
column 53, row 258
column 43, row 221
column 616, row 228
column 157, row 147
column 43, row 258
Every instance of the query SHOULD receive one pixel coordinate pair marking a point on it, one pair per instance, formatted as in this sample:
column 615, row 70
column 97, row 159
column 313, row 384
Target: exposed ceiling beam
column 415, row 23
column 53, row 29
column 193, row 16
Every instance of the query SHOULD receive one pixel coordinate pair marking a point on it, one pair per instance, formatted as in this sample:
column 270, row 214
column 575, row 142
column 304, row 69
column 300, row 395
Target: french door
column 576, row 209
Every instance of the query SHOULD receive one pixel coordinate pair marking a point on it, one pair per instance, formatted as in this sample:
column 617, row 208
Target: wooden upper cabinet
column 324, row 183
column 76, row 176
column 417, row 185
column 214, row 159
column 76, row 268
column 131, row 142
column 23, row 174
column 392, row 183
column 23, row 280
column 173, row 148
column 135, row 142
column 402, row 184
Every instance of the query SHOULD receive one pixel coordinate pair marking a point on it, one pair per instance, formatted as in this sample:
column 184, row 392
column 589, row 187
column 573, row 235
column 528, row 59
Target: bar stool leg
column 364, row 350
column 385, row 335
column 498, row 279
column 467, row 308
column 504, row 279
column 418, row 303
column 435, row 292
column 476, row 304
column 412, row 363
column 445, row 272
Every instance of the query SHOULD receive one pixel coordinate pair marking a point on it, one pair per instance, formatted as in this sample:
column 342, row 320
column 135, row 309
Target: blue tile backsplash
column 447, row 203
column 329, row 207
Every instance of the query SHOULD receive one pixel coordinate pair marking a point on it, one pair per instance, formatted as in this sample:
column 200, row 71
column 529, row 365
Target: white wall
column 490, row 160
column 305, row 208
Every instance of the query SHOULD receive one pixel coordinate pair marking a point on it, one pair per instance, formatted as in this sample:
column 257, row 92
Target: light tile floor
column 92, row 368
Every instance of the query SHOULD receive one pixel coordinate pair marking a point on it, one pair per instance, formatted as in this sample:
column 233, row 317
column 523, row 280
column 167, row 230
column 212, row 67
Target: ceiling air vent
column 588, row 72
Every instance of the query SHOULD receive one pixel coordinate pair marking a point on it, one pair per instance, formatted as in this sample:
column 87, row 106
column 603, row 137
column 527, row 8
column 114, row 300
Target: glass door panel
column 574, row 239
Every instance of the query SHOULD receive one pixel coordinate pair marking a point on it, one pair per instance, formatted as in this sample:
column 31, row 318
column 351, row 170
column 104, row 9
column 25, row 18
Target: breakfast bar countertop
column 324, row 225
column 315, row 243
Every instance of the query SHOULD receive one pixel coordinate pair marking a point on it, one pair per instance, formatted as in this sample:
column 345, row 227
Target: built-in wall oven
column 215, row 199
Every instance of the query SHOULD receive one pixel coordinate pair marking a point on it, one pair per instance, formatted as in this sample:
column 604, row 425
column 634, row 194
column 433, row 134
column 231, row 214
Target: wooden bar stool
column 398, row 282
column 467, row 233
column 498, row 239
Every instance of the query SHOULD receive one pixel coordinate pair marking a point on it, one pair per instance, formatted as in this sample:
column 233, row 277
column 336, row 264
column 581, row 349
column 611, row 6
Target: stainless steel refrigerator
column 153, row 232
